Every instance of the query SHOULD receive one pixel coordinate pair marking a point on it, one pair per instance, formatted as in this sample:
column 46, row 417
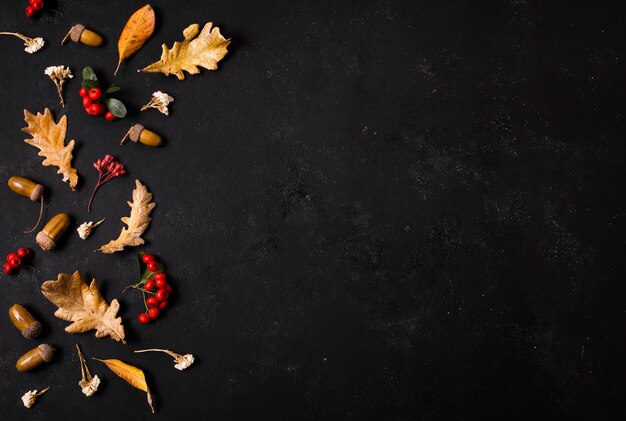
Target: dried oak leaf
column 84, row 306
column 137, row 222
column 136, row 32
column 49, row 137
column 204, row 51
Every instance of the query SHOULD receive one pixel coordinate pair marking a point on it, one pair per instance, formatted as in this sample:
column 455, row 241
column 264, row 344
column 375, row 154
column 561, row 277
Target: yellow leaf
column 204, row 51
column 133, row 376
column 137, row 222
column 84, row 306
column 49, row 138
column 138, row 29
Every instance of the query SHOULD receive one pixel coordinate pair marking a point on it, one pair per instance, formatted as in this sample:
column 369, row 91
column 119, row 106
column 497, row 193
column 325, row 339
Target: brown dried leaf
column 49, row 137
column 138, row 222
column 138, row 29
column 84, row 306
column 204, row 51
column 133, row 376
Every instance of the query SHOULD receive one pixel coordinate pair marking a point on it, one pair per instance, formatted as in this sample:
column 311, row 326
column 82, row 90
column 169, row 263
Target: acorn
column 138, row 133
column 52, row 231
column 35, row 357
column 24, row 322
column 27, row 188
column 78, row 33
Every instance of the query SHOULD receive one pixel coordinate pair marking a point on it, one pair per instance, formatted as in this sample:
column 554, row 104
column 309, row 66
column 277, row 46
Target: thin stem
column 43, row 391
column 38, row 220
column 98, row 184
column 34, row 269
column 167, row 351
column 20, row 36
column 144, row 300
column 60, row 91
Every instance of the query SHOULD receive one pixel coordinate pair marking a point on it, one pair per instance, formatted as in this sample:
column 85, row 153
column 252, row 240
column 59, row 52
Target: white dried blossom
column 58, row 74
column 160, row 101
column 30, row 397
column 84, row 230
column 182, row 361
column 32, row 44
column 89, row 387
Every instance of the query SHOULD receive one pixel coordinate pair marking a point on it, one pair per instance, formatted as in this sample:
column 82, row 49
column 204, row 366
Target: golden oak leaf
column 49, row 138
column 84, row 306
column 204, row 51
column 137, row 222
column 136, row 32
column 133, row 376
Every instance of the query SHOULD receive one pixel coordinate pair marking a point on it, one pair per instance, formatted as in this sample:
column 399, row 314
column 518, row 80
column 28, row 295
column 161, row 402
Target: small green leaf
column 112, row 88
column 117, row 108
column 89, row 84
column 89, row 74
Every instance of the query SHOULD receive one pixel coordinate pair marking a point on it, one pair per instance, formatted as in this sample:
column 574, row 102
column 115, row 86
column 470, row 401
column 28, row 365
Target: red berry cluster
column 156, row 287
column 92, row 105
column 14, row 260
column 34, row 7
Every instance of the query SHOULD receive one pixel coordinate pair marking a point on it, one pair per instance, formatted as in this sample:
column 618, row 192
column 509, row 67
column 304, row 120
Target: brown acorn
column 27, row 188
column 24, row 321
column 52, row 231
column 35, row 357
column 138, row 133
column 78, row 33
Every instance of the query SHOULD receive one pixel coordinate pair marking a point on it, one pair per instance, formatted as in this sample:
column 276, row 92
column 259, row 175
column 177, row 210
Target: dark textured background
column 390, row 210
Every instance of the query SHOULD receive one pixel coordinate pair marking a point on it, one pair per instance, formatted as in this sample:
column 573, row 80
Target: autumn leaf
column 84, row 306
column 204, row 51
column 137, row 222
column 138, row 29
column 133, row 376
column 49, row 138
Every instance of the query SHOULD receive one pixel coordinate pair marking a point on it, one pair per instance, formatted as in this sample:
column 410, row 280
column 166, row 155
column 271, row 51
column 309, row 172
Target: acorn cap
column 37, row 193
column 32, row 331
column 46, row 352
column 135, row 132
column 76, row 32
column 45, row 242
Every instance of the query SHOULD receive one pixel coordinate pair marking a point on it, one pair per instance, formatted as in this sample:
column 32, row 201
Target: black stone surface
column 372, row 210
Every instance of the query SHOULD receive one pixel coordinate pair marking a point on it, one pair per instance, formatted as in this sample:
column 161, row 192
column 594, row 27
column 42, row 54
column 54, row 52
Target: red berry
column 153, row 313
column 83, row 92
column 87, row 102
column 160, row 275
column 147, row 258
column 143, row 318
column 33, row 1
column 95, row 94
column 149, row 285
column 23, row 252
column 12, row 256
column 15, row 262
column 30, row 11
column 162, row 294
column 168, row 287
column 7, row 269
column 163, row 305
column 160, row 283
column 96, row 109
column 109, row 116
column 153, row 266
column 37, row 4
column 152, row 302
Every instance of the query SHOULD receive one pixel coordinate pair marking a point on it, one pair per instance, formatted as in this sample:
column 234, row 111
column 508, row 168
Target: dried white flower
column 89, row 387
column 32, row 44
column 182, row 361
column 88, row 384
column 160, row 101
column 30, row 397
column 84, row 230
column 58, row 74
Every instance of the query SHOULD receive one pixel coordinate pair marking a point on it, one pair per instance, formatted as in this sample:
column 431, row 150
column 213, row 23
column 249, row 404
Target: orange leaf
column 133, row 376
column 138, row 29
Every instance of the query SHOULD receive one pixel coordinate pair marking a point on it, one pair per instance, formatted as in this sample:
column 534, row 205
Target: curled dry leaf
column 49, row 138
column 84, row 306
column 133, row 376
column 138, row 29
column 204, row 51
column 137, row 222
